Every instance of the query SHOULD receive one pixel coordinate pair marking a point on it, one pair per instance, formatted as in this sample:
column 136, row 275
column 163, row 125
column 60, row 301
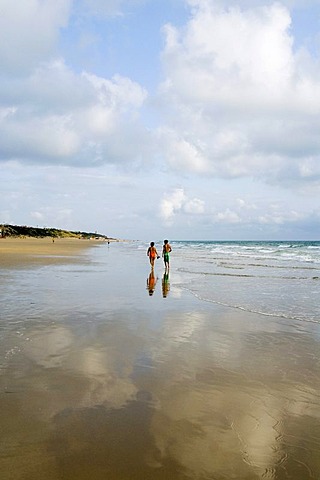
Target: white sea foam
column 269, row 278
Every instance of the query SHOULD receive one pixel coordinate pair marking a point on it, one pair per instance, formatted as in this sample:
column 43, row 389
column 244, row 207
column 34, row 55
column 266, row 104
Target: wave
column 302, row 251
column 283, row 281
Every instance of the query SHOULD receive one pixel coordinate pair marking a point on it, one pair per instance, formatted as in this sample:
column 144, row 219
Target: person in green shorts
column 166, row 249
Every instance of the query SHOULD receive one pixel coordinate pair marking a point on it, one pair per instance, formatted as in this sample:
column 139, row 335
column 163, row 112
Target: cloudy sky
column 145, row 119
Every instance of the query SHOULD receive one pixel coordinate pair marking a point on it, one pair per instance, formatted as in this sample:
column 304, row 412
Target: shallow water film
column 101, row 379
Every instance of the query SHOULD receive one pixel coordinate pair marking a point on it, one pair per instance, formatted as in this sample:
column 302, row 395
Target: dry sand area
column 22, row 252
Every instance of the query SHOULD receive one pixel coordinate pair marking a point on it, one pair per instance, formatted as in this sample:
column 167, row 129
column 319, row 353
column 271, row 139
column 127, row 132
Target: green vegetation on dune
column 25, row 231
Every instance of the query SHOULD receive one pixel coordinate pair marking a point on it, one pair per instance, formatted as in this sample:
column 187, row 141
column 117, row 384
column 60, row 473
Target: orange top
column 152, row 252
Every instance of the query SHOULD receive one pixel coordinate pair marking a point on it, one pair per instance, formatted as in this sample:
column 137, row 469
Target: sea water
column 279, row 279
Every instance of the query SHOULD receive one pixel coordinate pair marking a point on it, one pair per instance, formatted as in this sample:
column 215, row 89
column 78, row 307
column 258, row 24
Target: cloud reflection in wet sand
column 194, row 397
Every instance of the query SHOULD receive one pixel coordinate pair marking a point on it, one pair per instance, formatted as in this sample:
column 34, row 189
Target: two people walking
column 153, row 254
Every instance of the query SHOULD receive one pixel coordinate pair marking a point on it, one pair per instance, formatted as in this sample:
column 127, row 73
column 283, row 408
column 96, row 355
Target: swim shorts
column 166, row 257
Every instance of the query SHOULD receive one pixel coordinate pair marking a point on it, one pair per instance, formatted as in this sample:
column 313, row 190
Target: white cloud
column 279, row 217
column 195, row 206
column 120, row 93
column 177, row 202
column 241, row 101
column 49, row 113
column 181, row 153
column 29, row 31
column 57, row 116
column 49, row 215
column 228, row 216
column 223, row 53
column 310, row 167
column 171, row 204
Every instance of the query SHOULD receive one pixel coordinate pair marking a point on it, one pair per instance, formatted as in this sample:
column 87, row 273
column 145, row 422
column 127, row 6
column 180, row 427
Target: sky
column 152, row 119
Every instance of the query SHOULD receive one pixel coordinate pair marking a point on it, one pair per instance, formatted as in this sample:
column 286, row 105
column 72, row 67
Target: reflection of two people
column 152, row 280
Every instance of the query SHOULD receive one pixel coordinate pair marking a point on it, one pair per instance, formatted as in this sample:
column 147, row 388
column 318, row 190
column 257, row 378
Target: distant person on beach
column 151, row 282
column 152, row 254
column 166, row 249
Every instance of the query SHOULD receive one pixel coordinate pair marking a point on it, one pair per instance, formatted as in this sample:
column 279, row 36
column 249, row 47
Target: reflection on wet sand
column 200, row 397
column 151, row 282
column 165, row 284
column 239, row 419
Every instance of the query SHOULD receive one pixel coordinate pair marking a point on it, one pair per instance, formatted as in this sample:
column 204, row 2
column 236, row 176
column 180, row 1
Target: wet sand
column 100, row 380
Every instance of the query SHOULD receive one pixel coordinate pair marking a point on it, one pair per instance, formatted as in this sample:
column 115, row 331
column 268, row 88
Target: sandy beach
column 101, row 380
column 15, row 252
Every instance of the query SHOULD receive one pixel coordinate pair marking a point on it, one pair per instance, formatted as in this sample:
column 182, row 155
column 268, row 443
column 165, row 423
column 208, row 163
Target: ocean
column 279, row 279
